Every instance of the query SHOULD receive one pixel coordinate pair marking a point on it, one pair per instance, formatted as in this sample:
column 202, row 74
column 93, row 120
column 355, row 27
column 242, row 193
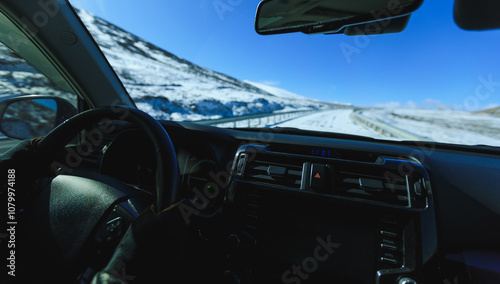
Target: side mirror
column 27, row 117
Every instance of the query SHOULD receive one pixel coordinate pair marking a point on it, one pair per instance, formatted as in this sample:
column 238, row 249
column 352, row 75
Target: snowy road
column 443, row 125
column 432, row 125
column 337, row 120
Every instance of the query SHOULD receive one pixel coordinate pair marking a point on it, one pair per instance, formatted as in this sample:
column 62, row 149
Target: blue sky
column 432, row 62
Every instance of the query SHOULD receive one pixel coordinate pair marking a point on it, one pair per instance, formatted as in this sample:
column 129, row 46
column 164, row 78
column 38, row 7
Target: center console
column 306, row 215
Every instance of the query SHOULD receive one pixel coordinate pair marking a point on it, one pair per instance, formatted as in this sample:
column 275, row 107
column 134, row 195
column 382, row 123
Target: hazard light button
column 318, row 177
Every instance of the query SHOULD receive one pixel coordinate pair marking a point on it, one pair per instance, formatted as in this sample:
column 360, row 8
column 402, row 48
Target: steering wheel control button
column 113, row 229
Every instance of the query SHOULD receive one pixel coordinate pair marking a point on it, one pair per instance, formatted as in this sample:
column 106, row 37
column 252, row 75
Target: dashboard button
column 318, row 177
column 388, row 260
column 389, row 234
column 389, row 241
column 390, row 254
column 407, row 280
column 388, row 247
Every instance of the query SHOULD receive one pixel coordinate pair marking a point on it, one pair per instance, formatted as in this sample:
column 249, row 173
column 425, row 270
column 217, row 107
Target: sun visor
column 477, row 14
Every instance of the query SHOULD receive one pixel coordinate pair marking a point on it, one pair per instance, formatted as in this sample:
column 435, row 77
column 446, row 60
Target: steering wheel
column 167, row 170
column 70, row 209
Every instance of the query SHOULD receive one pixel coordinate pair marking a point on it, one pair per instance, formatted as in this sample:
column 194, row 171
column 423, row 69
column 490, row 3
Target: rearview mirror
column 33, row 116
column 333, row 16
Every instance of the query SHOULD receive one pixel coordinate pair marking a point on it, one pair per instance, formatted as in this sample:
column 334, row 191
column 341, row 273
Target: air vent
column 374, row 188
column 396, row 182
column 280, row 174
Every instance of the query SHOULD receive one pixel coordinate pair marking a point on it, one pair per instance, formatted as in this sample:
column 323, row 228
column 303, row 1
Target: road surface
column 337, row 120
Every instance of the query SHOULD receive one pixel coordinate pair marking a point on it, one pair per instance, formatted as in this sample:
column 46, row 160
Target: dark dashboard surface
column 389, row 210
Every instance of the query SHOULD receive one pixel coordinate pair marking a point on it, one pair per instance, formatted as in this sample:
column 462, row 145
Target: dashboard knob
column 407, row 280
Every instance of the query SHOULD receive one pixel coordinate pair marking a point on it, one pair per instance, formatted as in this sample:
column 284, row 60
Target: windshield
column 203, row 61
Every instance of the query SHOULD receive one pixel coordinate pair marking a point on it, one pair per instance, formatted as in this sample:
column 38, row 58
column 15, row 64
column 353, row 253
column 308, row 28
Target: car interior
column 268, row 205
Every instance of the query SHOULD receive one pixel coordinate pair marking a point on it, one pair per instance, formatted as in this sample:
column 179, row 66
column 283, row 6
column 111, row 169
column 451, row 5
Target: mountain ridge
column 152, row 46
column 170, row 87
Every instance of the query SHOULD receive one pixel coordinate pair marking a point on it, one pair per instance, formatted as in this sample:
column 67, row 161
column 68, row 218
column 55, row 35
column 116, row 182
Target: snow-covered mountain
column 279, row 92
column 169, row 87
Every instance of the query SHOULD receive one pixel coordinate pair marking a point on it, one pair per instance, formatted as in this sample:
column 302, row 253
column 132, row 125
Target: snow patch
column 169, row 87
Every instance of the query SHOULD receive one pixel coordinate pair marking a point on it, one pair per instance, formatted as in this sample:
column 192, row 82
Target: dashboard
column 306, row 209
column 131, row 159
column 318, row 216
